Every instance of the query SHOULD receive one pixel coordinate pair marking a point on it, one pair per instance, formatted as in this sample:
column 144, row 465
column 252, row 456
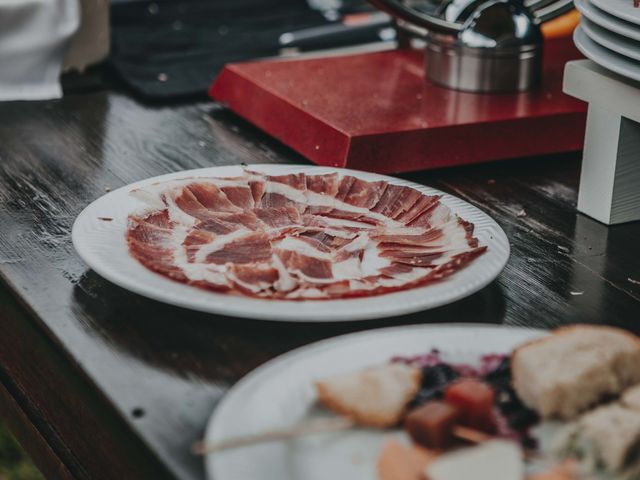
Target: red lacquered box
column 375, row 111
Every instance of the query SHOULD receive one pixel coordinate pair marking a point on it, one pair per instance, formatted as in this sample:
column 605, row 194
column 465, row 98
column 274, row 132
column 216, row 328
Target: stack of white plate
column 609, row 34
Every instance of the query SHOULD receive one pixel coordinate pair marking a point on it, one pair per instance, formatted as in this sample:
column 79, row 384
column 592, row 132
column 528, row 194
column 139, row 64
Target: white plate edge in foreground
column 229, row 419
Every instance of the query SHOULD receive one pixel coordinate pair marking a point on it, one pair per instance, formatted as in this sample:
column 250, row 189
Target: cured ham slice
column 298, row 236
column 254, row 278
column 227, row 222
column 355, row 216
column 326, row 184
column 150, row 241
column 344, row 186
column 396, row 200
column 280, row 191
column 282, row 217
column 294, row 180
column 366, row 194
column 323, row 240
column 305, row 267
column 245, row 248
column 239, row 195
column 211, row 197
column 422, row 205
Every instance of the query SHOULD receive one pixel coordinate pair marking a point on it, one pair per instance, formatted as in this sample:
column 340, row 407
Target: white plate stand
column 610, row 179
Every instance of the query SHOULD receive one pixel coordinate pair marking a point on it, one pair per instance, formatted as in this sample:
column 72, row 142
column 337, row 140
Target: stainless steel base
column 483, row 70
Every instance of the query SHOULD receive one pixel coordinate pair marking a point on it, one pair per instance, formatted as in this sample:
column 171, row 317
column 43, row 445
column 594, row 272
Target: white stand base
column 610, row 178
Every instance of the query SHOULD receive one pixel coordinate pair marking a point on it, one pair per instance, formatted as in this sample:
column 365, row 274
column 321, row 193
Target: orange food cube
column 431, row 425
column 475, row 400
column 403, row 462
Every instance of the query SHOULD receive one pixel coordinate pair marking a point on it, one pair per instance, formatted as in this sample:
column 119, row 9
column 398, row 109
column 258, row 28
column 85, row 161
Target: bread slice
column 631, row 398
column 563, row 374
column 377, row 396
column 615, row 433
column 608, row 437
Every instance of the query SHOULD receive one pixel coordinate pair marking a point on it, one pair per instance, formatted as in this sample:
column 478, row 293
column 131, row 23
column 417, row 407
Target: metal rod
column 552, row 11
column 323, row 425
column 533, row 5
column 409, row 14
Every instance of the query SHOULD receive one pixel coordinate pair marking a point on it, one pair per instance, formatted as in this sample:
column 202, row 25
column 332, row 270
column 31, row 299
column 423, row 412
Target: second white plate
column 281, row 393
column 102, row 245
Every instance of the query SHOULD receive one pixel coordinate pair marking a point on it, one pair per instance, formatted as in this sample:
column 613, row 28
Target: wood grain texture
column 43, row 456
column 115, row 382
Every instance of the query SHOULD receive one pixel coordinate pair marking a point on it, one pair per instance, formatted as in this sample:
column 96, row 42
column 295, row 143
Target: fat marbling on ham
column 298, row 236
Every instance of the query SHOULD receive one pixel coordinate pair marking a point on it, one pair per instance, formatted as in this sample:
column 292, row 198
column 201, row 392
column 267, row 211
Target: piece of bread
column 614, row 431
column 605, row 439
column 574, row 368
column 631, row 398
column 376, row 397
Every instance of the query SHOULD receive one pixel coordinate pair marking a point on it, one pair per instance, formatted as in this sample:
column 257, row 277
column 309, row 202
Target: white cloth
column 33, row 39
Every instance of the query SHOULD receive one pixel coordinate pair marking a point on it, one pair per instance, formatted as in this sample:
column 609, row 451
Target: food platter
column 448, row 402
column 281, row 393
column 99, row 236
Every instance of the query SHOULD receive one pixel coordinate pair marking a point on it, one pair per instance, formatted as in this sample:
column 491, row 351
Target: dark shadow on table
column 223, row 349
column 607, row 285
column 237, row 132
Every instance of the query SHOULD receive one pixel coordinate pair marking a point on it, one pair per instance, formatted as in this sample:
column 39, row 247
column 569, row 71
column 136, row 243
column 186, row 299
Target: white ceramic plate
column 281, row 393
column 103, row 247
column 623, row 9
column 616, row 43
column 607, row 21
column 605, row 57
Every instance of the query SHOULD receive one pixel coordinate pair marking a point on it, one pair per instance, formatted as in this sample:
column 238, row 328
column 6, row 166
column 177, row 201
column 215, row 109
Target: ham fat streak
column 298, row 236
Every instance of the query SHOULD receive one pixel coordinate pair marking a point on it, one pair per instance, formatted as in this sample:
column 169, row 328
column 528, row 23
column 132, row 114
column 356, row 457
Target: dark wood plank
column 565, row 267
column 149, row 373
column 68, row 427
column 26, row 433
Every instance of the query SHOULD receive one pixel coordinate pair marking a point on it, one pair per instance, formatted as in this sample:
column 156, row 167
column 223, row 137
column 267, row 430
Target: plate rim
column 621, row 11
column 286, row 358
column 591, row 28
column 271, row 310
column 582, row 40
column 606, row 20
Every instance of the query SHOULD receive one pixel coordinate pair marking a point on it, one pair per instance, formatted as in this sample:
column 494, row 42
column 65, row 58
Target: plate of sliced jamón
column 291, row 243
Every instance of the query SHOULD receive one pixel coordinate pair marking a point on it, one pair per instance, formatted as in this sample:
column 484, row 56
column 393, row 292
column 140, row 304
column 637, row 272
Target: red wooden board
column 376, row 112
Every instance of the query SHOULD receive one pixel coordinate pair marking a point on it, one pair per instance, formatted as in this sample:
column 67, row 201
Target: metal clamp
column 482, row 45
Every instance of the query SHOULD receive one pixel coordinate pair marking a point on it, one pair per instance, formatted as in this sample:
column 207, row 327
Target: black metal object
column 481, row 45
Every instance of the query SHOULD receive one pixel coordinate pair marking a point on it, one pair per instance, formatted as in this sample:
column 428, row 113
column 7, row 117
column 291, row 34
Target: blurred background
column 163, row 50
column 14, row 463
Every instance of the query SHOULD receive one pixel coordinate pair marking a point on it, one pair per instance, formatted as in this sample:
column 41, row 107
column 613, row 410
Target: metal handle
column 543, row 11
column 553, row 11
column 404, row 12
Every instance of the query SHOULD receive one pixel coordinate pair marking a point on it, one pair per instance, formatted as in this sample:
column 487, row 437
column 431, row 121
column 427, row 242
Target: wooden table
column 101, row 383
